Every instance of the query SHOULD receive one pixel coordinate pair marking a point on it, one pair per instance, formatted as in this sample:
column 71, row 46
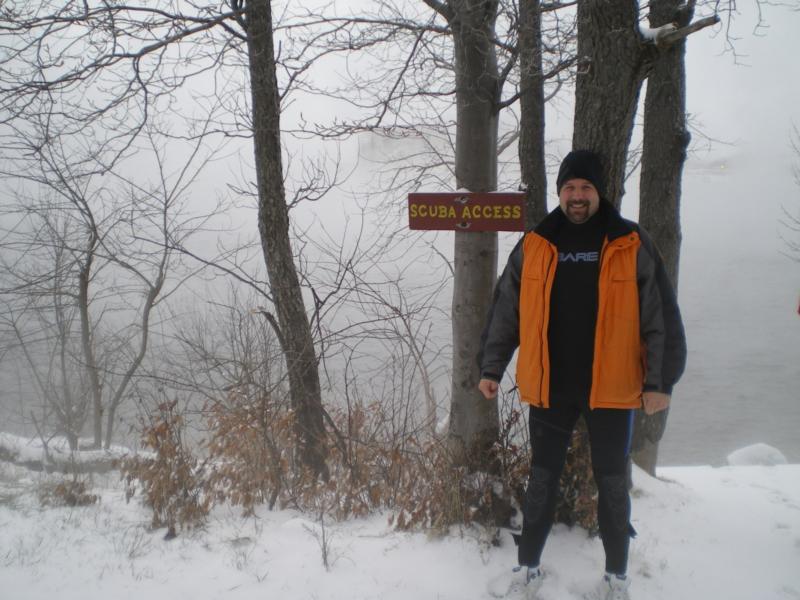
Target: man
column 586, row 298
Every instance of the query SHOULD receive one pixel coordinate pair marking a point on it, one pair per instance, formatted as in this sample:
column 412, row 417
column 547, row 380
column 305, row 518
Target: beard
column 578, row 211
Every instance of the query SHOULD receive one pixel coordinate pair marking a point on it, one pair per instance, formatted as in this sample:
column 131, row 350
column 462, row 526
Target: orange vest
column 618, row 364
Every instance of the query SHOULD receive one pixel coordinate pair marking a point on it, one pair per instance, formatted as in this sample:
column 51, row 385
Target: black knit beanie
column 581, row 164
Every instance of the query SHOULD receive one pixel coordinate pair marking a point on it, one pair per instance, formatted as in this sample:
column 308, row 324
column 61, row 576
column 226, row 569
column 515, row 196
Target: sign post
column 467, row 211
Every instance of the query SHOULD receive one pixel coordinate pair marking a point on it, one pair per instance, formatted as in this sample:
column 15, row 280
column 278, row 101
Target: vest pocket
column 623, row 299
column 532, row 331
column 619, row 367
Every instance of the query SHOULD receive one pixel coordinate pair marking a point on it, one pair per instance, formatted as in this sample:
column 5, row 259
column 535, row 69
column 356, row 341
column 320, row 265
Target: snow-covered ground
column 33, row 451
column 704, row 533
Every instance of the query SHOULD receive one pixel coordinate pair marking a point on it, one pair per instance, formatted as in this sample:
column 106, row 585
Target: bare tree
column 294, row 331
column 91, row 261
column 423, row 56
column 665, row 144
column 42, row 318
column 101, row 73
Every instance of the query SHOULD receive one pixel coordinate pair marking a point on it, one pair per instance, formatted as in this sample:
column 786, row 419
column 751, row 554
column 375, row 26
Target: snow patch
column 26, row 449
column 654, row 34
column 757, row 454
column 443, row 425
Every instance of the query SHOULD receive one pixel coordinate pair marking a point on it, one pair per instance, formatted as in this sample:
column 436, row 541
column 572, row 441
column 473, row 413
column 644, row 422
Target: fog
column 738, row 291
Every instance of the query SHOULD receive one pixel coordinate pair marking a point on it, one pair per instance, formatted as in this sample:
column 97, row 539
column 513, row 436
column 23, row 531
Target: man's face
column 579, row 200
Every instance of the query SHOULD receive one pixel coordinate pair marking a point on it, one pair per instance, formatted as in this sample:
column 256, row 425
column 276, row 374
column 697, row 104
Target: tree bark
column 144, row 337
column 474, row 421
column 87, row 345
column 611, row 69
column 273, row 223
column 666, row 140
column 532, row 115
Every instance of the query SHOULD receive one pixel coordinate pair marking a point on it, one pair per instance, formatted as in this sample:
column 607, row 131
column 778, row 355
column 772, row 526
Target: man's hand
column 654, row 402
column 488, row 388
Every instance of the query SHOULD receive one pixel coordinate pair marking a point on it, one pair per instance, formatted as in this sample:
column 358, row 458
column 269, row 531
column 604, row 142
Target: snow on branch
column 442, row 8
column 669, row 34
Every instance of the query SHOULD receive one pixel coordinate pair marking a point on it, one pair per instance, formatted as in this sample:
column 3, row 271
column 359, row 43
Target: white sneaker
column 523, row 584
column 612, row 587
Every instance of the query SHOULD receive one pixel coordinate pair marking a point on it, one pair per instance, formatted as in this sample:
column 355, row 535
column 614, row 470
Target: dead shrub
column 368, row 464
column 250, row 450
column 437, row 494
column 171, row 481
column 66, row 493
column 253, row 462
column 434, row 493
column 374, row 463
column 577, row 498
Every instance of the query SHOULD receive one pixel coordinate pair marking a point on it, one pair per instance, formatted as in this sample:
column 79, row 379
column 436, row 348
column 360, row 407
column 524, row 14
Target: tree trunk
column 66, row 412
column 119, row 393
column 666, row 140
column 474, row 421
column 531, row 138
column 664, row 153
column 87, row 346
column 273, row 223
column 611, row 69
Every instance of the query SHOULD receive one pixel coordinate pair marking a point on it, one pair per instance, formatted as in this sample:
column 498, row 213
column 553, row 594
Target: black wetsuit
column 571, row 332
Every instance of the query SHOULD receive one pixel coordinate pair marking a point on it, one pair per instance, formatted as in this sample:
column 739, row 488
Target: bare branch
column 553, row 6
column 667, row 38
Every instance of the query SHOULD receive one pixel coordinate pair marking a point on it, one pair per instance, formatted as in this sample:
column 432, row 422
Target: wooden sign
column 467, row 211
